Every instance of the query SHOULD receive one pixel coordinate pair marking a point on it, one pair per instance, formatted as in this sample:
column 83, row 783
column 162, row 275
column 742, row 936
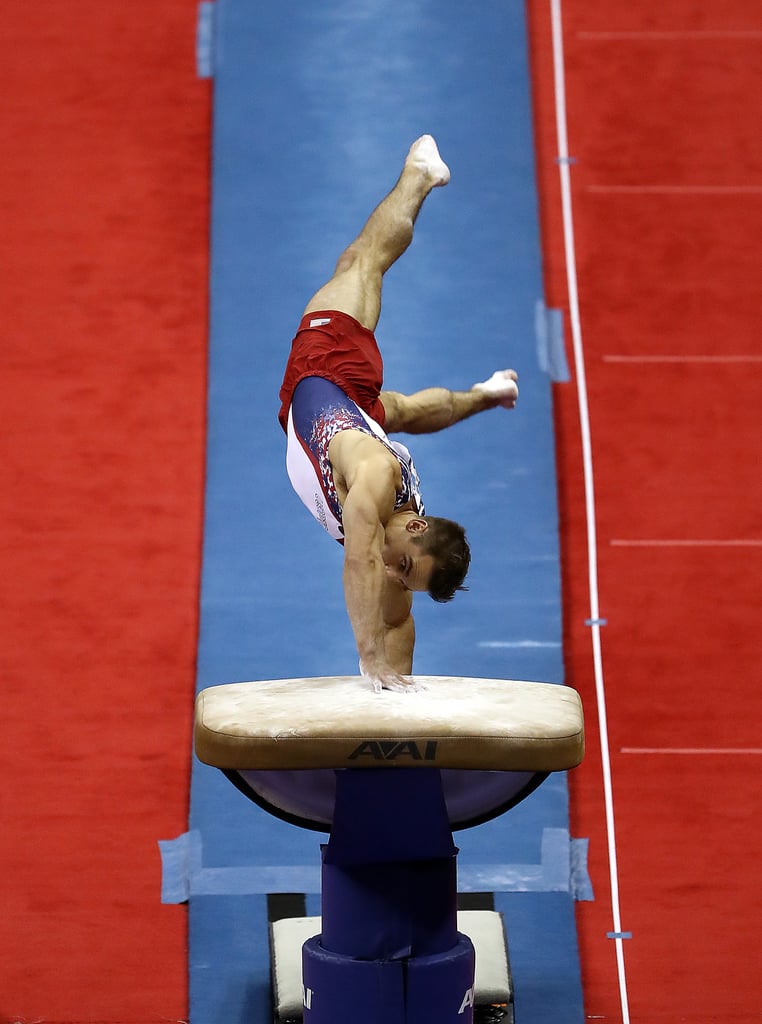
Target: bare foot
column 425, row 155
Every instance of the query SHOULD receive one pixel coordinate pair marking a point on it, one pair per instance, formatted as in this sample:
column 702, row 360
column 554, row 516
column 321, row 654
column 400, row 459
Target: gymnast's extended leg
column 355, row 287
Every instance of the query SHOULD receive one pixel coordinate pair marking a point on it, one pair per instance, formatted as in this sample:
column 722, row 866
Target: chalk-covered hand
column 502, row 387
column 382, row 677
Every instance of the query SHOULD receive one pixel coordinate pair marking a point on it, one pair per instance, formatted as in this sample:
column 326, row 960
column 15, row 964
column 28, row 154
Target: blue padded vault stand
column 315, row 107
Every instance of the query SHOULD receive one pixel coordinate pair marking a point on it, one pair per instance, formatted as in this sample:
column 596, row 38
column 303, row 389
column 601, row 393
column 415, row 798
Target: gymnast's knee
column 348, row 258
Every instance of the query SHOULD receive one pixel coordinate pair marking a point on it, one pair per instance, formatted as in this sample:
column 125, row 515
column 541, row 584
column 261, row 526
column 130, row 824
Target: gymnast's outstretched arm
column 433, row 409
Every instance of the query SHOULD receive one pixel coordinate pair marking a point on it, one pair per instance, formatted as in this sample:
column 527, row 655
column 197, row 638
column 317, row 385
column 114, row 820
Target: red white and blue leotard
column 319, row 410
column 333, row 382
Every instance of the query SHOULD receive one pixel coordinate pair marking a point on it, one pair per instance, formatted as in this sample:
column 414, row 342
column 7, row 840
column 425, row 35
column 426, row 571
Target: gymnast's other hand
column 502, row 388
column 382, row 677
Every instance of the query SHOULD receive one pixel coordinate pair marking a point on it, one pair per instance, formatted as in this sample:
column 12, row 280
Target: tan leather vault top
column 338, row 722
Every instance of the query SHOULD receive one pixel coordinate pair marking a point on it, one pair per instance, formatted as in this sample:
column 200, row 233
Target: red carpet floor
column 663, row 113
column 104, row 197
column 104, row 207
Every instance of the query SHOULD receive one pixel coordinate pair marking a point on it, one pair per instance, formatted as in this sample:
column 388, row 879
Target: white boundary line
column 674, row 190
column 691, row 750
column 613, row 358
column 687, row 542
column 710, row 35
column 579, row 364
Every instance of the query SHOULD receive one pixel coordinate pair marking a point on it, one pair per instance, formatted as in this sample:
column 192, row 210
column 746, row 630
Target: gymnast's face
column 404, row 559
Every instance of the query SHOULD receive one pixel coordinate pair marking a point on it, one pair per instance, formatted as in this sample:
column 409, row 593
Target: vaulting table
column 390, row 776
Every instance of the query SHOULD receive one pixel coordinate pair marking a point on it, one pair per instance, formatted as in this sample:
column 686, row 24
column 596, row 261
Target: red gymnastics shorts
column 335, row 346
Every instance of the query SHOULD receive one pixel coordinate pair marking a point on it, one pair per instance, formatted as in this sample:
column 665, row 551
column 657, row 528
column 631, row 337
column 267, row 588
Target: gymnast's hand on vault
column 382, row 677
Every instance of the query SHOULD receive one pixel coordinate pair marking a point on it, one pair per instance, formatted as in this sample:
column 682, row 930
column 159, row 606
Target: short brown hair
column 446, row 541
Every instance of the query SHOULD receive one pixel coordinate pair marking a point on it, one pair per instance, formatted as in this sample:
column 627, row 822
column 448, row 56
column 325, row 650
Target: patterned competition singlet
column 319, row 411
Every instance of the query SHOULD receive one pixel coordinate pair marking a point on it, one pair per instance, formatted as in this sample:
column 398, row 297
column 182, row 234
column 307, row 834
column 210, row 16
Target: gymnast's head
column 427, row 553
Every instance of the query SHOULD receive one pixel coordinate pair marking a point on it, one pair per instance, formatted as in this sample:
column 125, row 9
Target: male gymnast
column 360, row 485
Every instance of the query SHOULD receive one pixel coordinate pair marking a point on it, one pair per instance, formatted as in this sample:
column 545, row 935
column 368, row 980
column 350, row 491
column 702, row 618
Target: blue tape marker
column 180, row 864
column 596, row 622
column 556, row 859
column 581, row 885
column 549, row 336
column 251, row 881
column 560, row 870
column 205, row 39
column 567, row 161
column 618, row 935
column 550, row 875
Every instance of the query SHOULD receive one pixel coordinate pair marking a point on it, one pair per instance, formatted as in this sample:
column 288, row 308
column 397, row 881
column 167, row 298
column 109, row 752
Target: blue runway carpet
column 315, row 106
